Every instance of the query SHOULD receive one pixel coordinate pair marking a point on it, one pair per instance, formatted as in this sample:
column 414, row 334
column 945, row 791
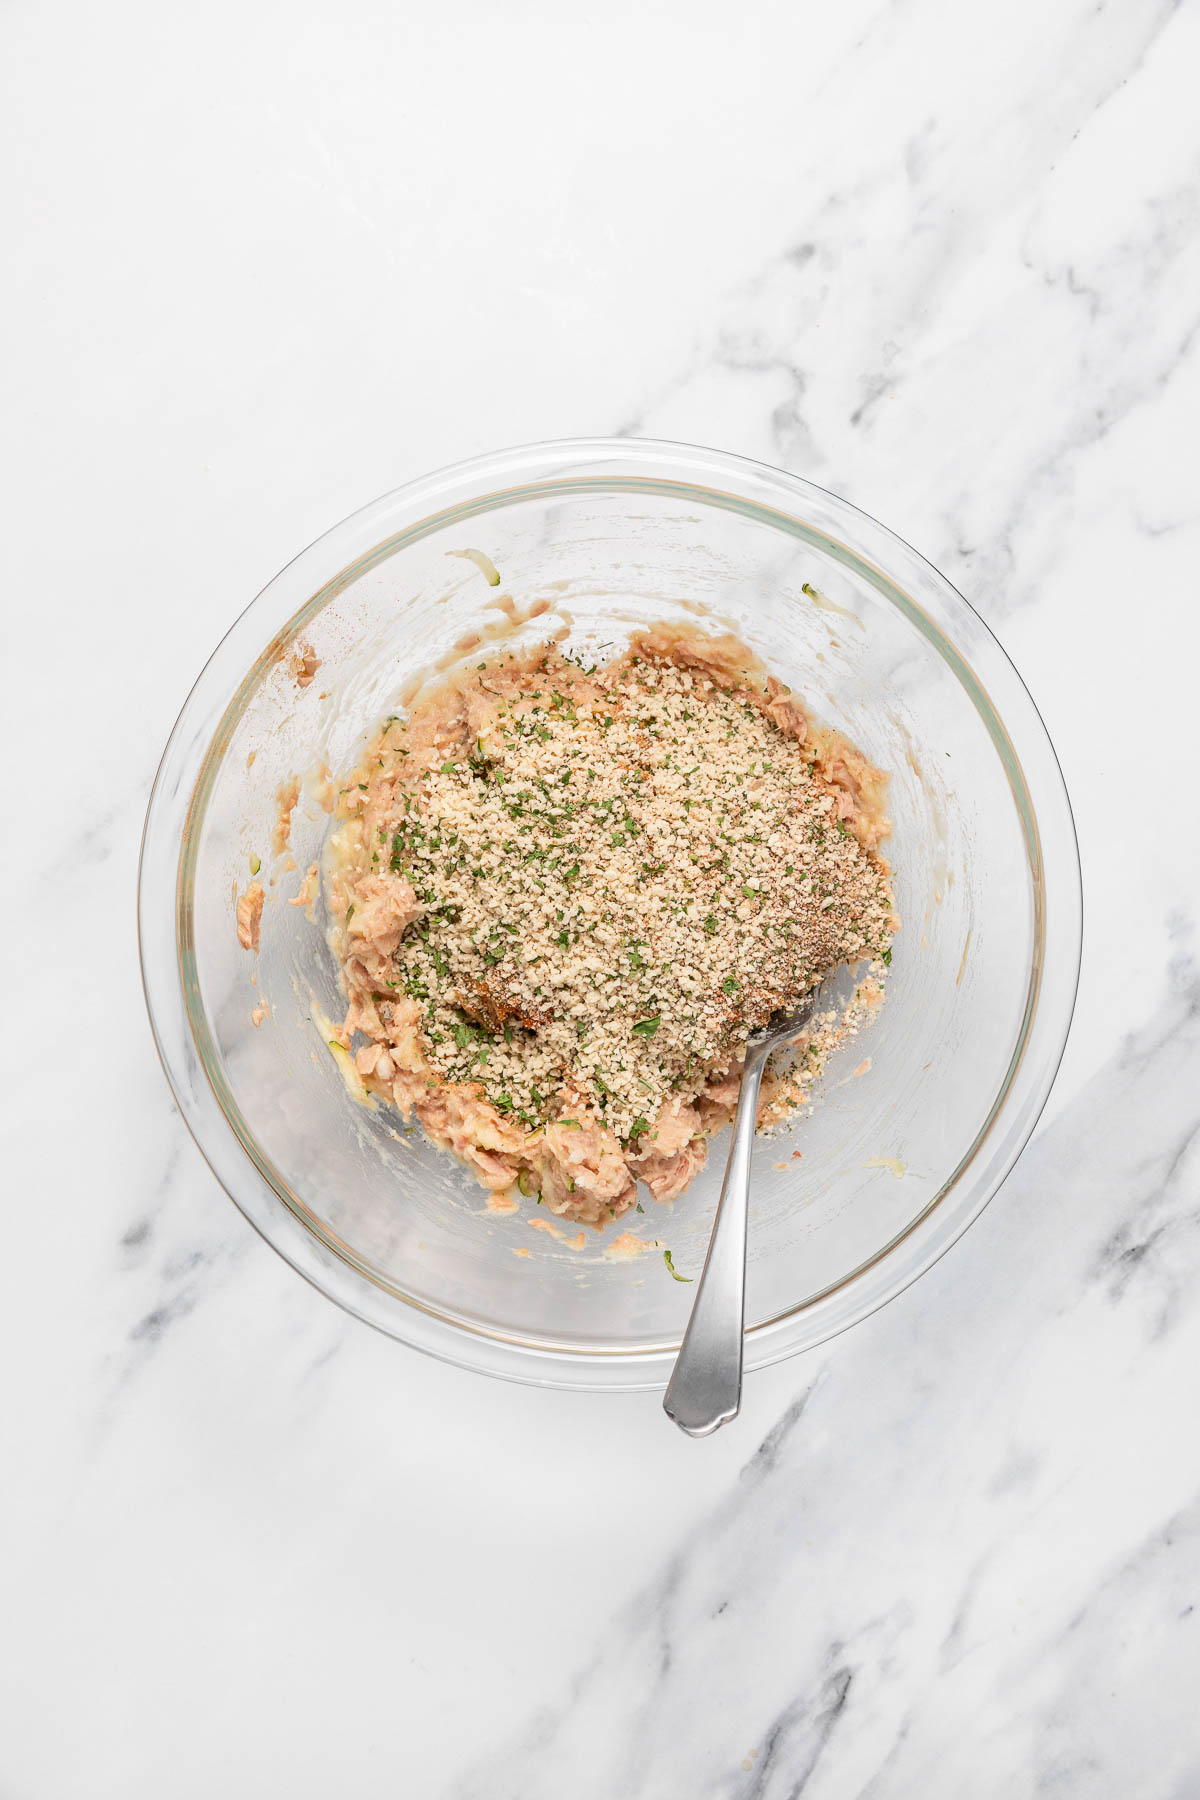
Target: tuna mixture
column 563, row 894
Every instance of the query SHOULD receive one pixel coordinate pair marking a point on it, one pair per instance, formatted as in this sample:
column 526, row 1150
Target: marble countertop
column 266, row 261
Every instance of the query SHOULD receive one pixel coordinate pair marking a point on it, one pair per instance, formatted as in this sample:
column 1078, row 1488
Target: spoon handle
column 705, row 1389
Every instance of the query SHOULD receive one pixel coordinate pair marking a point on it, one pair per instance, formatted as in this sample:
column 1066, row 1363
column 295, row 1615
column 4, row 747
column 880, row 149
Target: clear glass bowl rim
column 558, row 469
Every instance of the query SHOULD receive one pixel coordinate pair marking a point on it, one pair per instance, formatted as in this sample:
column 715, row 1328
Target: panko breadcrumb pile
column 563, row 894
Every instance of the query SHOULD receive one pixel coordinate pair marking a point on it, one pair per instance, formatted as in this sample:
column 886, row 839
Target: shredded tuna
column 308, row 888
column 286, row 800
column 249, row 913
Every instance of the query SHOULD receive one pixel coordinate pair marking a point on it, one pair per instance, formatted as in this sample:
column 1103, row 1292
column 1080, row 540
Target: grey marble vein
column 890, row 1573
column 1104, row 330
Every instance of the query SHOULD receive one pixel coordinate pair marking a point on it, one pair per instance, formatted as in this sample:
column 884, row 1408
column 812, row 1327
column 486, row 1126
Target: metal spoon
column 705, row 1389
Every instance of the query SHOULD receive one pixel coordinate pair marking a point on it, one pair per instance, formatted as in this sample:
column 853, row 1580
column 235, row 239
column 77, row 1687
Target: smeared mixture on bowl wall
column 563, row 895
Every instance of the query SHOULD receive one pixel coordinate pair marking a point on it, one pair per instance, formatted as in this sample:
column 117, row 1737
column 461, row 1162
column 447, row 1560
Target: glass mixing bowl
column 896, row 1159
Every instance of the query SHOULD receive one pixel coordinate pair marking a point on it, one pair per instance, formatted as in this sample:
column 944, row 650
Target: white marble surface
column 265, row 261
